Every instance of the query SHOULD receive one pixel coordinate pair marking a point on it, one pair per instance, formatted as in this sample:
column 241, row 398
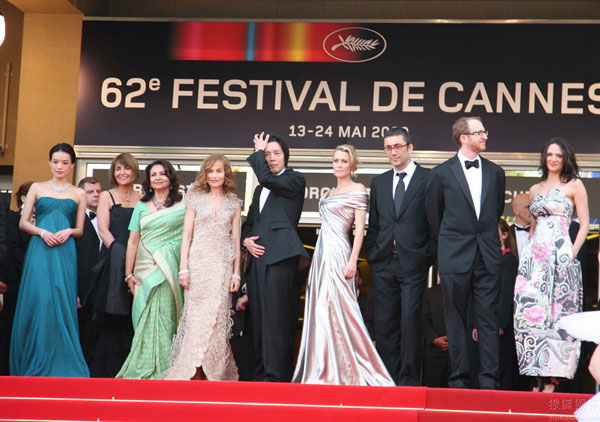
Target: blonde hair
column 202, row 176
column 352, row 155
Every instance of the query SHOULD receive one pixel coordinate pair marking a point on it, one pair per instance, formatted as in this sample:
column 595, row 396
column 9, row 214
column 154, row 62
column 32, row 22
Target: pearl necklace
column 57, row 189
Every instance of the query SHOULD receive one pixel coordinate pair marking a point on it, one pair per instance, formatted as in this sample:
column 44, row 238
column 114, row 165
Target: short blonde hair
column 202, row 176
column 125, row 159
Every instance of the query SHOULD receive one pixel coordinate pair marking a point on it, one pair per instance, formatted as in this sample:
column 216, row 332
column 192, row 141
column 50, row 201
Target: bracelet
column 236, row 276
column 128, row 277
column 185, row 271
column 42, row 233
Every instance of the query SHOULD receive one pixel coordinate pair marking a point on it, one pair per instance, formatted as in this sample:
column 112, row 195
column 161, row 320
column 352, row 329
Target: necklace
column 57, row 189
column 124, row 198
column 159, row 205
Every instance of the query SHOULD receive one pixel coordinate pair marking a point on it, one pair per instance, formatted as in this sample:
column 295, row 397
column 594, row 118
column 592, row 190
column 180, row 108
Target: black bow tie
column 524, row 229
column 469, row 164
column 92, row 215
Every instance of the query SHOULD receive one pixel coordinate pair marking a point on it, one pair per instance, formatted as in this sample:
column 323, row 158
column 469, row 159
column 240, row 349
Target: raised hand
column 260, row 141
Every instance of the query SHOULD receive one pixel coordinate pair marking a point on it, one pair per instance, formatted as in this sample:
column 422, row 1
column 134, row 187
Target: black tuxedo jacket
column 410, row 228
column 513, row 231
column 453, row 221
column 277, row 224
column 87, row 256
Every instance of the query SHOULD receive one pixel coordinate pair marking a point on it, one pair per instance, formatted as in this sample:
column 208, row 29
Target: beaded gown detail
column 336, row 347
column 204, row 329
column 549, row 286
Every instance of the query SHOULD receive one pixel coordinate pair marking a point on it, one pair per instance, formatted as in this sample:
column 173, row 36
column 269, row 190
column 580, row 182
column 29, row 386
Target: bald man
column 520, row 229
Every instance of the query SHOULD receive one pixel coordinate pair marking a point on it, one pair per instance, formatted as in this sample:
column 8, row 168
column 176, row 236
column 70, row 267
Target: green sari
column 159, row 299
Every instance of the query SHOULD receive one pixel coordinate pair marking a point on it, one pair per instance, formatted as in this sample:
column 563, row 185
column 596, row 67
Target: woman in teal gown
column 45, row 336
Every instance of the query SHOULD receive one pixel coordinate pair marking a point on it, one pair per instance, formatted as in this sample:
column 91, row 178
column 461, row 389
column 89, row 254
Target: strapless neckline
column 547, row 194
column 58, row 199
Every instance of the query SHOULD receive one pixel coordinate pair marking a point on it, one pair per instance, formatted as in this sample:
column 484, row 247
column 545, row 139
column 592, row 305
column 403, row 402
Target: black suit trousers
column 485, row 289
column 397, row 303
column 274, row 296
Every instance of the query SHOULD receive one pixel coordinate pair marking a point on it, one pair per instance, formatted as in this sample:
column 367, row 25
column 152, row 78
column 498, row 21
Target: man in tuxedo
column 270, row 236
column 464, row 200
column 88, row 254
column 520, row 229
column 399, row 252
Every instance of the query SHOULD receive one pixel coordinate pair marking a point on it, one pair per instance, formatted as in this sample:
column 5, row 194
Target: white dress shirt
column 95, row 224
column 264, row 193
column 522, row 238
column 409, row 170
column 474, row 180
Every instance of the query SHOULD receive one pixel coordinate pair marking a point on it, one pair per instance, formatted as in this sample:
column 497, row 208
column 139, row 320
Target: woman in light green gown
column 152, row 264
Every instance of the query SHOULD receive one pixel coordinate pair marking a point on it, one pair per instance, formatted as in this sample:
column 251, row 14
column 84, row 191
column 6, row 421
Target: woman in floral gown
column 549, row 284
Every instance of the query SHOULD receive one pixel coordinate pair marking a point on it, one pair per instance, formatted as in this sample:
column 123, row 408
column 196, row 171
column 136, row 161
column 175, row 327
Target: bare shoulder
column 79, row 194
column 35, row 186
column 576, row 183
column 576, row 187
column 360, row 187
column 535, row 189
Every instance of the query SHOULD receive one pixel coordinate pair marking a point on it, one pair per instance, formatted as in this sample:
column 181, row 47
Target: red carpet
column 76, row 399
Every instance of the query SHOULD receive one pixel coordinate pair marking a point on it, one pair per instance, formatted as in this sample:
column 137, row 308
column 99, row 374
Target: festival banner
column 215, row 84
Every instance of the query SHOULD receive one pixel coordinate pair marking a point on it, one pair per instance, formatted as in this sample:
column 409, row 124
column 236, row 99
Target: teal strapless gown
column 45, row 335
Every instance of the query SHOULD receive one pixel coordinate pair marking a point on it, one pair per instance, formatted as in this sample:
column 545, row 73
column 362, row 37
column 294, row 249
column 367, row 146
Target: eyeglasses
column 479, row 132
column 396, row 147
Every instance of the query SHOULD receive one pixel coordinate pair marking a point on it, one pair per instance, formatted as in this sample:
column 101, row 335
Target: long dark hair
column 174, row 195
column 510, row 241
column 570, row 168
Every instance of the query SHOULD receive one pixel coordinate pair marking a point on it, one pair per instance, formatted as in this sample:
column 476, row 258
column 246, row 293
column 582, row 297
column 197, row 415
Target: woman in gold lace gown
column 210, row 272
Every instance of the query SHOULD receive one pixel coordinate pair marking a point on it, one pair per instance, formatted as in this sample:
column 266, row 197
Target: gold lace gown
column 204, row 329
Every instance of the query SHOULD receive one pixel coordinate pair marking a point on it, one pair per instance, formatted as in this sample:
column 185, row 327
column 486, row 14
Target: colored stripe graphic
column 252, row 41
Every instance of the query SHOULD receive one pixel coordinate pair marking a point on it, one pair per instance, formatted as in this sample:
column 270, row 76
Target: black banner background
column 416, row 52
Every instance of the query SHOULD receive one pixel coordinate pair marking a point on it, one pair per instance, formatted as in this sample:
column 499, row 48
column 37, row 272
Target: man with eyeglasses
column 465, row 199
column 399, row 251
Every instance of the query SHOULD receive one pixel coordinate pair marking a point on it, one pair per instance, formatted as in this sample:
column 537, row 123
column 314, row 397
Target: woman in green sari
column 152, row 263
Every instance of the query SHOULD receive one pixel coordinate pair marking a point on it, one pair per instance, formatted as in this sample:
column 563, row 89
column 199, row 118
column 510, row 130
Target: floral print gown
column 548, row 287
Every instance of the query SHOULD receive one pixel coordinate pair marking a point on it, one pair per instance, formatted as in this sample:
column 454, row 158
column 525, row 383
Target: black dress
column 112, row 310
